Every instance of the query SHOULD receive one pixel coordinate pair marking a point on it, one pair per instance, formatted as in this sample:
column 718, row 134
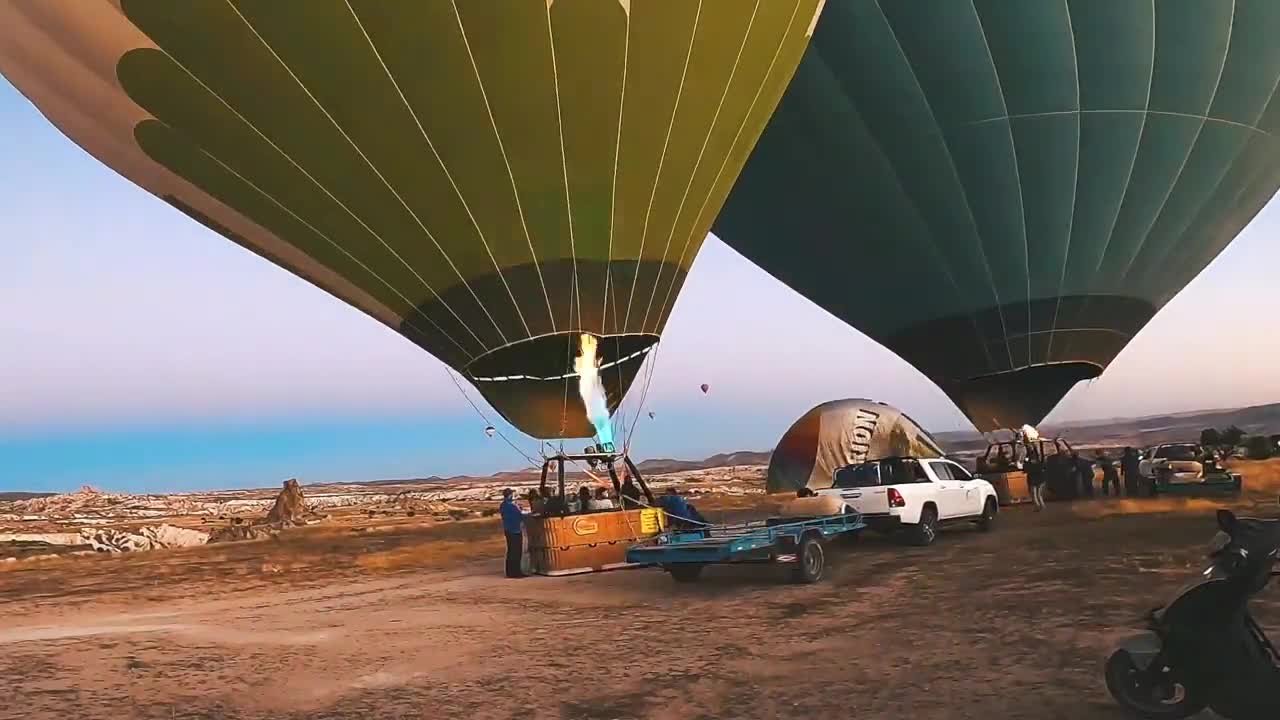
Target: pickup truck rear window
column 880, row 472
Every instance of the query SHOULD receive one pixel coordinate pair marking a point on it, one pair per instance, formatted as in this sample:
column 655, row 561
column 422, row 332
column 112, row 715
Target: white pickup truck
column 915, row 496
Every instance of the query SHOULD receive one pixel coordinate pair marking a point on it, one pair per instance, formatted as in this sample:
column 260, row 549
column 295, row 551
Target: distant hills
column 1140, row 431
column 665, row 465
column 14, row 496
column 1136, row 431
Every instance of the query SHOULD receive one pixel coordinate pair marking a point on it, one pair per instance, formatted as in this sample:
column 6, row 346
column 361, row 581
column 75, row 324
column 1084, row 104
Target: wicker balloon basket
column 590, row 542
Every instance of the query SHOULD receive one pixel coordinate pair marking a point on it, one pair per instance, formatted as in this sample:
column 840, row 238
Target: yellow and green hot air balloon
column 1004, row 192
column 490, row 179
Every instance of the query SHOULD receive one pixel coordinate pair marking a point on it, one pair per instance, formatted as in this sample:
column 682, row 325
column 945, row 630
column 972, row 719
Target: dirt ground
column 417, row 622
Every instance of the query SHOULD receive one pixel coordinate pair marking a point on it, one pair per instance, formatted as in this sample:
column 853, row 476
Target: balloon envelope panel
column 1004, row 193
column 488, row 179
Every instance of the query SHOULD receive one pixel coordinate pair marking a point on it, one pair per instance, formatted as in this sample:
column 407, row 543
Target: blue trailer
column 798, row 541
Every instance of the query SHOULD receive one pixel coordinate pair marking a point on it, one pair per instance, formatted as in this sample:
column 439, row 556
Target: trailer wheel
column 685, row 572
column 811, row 560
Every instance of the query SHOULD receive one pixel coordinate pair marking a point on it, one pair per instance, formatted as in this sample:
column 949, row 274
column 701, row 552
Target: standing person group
column 1075, row 475
column 1110, row 479
column 1081, row 471
column 1129, row 469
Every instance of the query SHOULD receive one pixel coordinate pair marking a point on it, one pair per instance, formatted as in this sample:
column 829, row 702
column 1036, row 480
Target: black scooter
column 1204, row 649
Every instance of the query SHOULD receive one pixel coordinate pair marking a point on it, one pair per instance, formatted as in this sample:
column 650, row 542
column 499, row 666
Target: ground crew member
column 513, row 528
column 1109, row 477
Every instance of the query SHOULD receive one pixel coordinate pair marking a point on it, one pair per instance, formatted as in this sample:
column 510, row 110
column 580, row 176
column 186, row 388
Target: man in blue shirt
column 513, row 528
column 681, row 513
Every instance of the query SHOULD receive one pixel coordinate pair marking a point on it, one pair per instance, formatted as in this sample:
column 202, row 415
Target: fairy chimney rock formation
column 290, row 505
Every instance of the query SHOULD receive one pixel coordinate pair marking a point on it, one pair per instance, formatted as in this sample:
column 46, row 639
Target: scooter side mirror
column 1227, row 521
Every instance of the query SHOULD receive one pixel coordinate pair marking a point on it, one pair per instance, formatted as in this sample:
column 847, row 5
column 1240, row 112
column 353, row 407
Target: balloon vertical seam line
column 1162, row 260
column 1179, row 245
column 340, row 249
column 1017, row 173
column 1075, row 185
column 1257, row 119
column 932, row 246
column 662, row 159
column 324, row 190
column 613, row 186
column 1137, row 148
column 955, row 171
column 746, row 118
column 610, row 288
column 515, row 191
column 1191, row 148
column 448, row 175
column 564, row 167
column 693, row 174
column 377, row 172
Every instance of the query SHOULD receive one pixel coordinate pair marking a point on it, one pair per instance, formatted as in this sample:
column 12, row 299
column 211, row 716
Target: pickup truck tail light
column 895, row 499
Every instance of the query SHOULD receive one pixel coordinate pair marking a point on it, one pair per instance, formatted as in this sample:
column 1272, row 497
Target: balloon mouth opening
column 555, row 357
column 558, row 385
column 1019, row 397
column 1072, row 370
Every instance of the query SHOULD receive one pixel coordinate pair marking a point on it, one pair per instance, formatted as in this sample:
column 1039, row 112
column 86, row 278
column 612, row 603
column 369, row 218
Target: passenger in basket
column 630, row 495
column 601, row 500
column 584, row 499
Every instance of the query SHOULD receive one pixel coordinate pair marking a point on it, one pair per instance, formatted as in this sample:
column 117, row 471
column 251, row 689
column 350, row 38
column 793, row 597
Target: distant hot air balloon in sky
column 650, row 414
column 705, row 387
column 1004, row 193
column 490, row 431
column 490, row 179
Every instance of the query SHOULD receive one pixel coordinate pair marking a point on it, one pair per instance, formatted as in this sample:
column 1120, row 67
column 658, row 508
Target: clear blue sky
column 140, row 351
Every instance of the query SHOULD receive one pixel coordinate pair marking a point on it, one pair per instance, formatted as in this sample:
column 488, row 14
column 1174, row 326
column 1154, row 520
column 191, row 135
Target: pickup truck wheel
column 685, row 572
column 810, row 561
column 988, row 518
column 925, row 531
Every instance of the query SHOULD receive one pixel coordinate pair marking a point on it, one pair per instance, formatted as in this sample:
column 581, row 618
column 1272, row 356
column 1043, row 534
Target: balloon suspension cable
column 652, row 360
column 569, row 377
column 619, row 418
column 499, row 433
column 620, row 429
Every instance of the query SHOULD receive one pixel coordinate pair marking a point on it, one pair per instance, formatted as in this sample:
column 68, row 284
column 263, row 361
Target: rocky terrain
column 89, row 520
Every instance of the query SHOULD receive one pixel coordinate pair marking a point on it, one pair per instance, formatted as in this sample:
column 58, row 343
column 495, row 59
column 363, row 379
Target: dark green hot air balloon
column 493, row 179
column 1004, row 192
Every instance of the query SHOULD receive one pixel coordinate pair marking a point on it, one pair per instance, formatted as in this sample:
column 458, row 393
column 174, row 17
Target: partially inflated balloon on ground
column 839, row 433
column 489, row 179
column 1003, row 192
